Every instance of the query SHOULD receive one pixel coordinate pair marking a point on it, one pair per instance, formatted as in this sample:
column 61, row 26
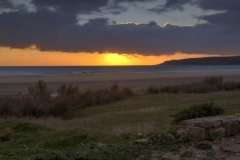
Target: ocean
column 68, row 70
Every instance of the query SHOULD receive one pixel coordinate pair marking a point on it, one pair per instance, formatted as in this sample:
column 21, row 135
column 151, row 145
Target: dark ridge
column 235, row 60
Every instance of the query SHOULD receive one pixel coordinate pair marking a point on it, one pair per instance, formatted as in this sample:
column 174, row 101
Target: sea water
column 68, row 70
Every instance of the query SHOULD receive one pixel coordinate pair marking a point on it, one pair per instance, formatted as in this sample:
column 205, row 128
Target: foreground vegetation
column 40, row 102
column 206, row 109
column 207, row 85
column 109, row 130
column 33, row 141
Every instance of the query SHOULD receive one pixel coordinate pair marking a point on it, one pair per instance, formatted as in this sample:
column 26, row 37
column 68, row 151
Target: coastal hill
column 235, row 60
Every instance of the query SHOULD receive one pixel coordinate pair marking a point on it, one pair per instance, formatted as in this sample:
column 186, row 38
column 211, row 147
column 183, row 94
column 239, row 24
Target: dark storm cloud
column 6, row 4
column 19, row 30
column 169, row 6
column 72, row 6
column 219, row 5
column 228, row 5
column 85, row 6
column 57, row 30
column 229, row 19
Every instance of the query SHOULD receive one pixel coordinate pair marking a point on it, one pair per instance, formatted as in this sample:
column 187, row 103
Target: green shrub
column 6, row 134
column 196, row 111
column 169, row 138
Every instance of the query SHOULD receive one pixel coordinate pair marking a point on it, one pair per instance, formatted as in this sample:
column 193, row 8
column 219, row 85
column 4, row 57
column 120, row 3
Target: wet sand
column 13, row 85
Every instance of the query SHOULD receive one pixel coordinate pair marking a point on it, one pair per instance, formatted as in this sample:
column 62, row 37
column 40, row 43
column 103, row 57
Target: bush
column 196, row 111
column 104, row 96
column 5, row 102
column 69, row 91
column 213, row 80
column 6, row 134
column 40, row 91
column 170, row 138
column 153, row 90
column 59, row 108
column 127, row 91
column 69, row 95
column 209, row 84
column 114, row 87
column 39, row 102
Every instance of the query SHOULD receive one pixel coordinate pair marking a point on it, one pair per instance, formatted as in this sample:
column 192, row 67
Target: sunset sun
column 117, row 59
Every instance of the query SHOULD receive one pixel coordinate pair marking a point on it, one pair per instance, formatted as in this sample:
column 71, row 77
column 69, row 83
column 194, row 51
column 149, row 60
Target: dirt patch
column 225, row 149
column 142, row 110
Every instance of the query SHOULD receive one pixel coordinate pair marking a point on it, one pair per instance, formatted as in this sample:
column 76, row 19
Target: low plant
column 214, row 136
column 6, row 134
column 213, row 80
column 169, row 139
column 207, row 85
column 40, row 90
column 127, row 91
column 153, row 90
column 68, row 91
column 196, row 111
column 86, row 99
column 39, row 102
column 114, row 87
column 187, row 154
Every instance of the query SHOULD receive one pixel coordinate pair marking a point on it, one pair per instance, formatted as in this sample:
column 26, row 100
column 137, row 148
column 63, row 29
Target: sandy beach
column 13, row 85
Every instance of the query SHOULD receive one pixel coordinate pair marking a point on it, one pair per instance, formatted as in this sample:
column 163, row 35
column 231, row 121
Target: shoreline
column 13, row 85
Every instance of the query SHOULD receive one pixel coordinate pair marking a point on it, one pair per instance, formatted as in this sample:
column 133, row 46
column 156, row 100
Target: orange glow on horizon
column 116, row 59
column 33, row 57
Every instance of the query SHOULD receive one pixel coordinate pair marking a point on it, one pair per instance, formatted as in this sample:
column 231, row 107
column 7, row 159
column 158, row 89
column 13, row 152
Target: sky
column 116, row 32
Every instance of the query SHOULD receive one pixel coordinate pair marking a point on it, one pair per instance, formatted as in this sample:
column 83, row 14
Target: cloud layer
column 6, row 4
column 54, row 26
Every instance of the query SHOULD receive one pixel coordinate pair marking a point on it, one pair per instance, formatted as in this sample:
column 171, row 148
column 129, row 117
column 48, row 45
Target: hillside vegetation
column 235, row 60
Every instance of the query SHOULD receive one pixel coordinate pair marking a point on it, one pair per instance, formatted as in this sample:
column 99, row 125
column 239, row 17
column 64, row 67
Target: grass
column 157, row 108
column 107, row 131
column 187, row 154
column 140, row 113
